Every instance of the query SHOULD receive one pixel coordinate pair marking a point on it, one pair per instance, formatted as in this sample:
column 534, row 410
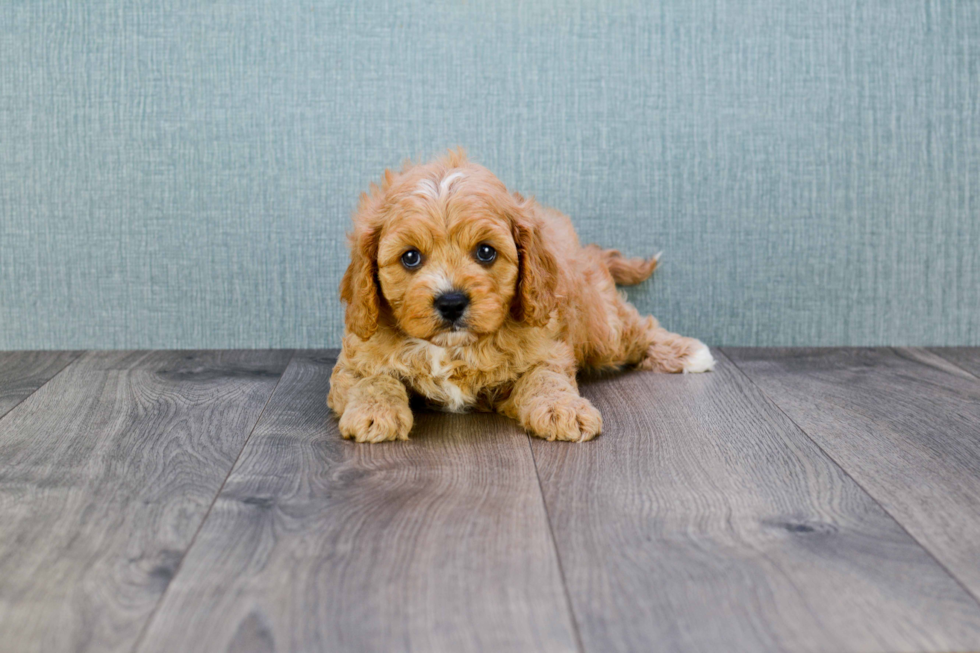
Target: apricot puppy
column 476, row 298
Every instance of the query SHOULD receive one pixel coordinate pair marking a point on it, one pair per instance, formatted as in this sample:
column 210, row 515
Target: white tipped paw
column 699, row 360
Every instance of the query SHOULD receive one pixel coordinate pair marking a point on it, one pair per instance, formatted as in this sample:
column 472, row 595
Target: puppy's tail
column 628, row 271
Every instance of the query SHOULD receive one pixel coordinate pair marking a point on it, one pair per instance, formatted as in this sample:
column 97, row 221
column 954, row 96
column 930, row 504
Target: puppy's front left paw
column 376, row 421
column 571, row 418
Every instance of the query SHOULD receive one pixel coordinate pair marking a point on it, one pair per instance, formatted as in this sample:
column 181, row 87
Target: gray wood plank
column 704, row 520
column 23, row 372
column 904, row 423
column 967, row 358
column 106, row 472
column 440, row 543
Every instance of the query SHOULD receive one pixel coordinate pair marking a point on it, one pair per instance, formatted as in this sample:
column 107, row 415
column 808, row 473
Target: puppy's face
column 444, row 253
column 447, row 261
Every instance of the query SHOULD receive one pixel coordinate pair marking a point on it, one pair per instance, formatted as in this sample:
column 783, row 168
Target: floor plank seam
column 180, row 564
column 928, row 551
column 554, row 547
column 65, row 367
column 938, row 352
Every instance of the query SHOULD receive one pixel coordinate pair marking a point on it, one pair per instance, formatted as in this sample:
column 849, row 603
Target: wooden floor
column 794, row 499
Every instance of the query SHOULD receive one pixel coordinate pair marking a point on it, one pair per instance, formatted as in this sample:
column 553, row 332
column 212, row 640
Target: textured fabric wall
column 181, row 173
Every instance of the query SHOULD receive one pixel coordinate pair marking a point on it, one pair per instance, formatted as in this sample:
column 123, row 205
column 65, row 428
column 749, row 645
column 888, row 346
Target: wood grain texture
column 904, row 423
column 704, row 520
column 968, row 358
column 106, row 473
column 319, row 544
column 23, row 372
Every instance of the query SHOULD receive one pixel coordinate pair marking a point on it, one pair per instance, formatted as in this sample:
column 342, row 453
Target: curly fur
column 544, row 309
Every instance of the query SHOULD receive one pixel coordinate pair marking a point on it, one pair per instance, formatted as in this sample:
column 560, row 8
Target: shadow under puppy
column 476, row 298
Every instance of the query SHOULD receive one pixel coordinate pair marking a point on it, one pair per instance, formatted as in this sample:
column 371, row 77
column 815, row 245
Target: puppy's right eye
column 412, row 259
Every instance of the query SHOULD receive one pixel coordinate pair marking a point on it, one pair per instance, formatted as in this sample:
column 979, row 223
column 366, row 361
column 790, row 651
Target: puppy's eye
column 412, row 259
column 485, row 253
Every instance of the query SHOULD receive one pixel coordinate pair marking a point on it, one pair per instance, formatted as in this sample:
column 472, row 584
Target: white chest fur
column 438, row 385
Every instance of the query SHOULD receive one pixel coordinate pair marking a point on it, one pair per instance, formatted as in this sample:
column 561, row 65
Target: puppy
column 478, row 299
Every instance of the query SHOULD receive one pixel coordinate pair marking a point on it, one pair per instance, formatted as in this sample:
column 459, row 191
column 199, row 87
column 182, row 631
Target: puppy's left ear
column 359, row 287
column 538, row 273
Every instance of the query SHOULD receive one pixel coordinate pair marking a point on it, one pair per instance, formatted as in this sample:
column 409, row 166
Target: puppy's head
column 445, row 253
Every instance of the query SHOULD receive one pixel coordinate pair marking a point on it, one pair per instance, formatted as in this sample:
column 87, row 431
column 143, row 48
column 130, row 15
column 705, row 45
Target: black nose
column 451, row 304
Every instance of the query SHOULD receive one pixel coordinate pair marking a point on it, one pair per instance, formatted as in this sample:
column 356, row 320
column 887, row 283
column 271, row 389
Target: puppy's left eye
column 485, row 253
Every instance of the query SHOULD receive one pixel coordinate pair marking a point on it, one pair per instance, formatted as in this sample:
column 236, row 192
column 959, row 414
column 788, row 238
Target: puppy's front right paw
column 376, row 421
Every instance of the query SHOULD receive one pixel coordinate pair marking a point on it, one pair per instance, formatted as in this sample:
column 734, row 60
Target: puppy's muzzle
column 451, row 305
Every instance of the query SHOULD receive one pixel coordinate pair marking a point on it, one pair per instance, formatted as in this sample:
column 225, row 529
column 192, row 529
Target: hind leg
column 669, row 352
column 607, row 331
column 652, row 347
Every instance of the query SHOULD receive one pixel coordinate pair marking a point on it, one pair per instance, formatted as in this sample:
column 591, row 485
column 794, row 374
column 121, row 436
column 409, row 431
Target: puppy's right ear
column 359, row 287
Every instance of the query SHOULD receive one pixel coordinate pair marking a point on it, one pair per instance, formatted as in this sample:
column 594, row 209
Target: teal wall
column 181, row 173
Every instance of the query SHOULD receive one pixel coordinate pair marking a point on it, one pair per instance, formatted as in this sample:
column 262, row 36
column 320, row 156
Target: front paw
column 570, row 417
column 376, row 421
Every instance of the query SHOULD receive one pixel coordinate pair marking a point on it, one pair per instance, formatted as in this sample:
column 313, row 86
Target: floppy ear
column 359, row 287
column 537, row 274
